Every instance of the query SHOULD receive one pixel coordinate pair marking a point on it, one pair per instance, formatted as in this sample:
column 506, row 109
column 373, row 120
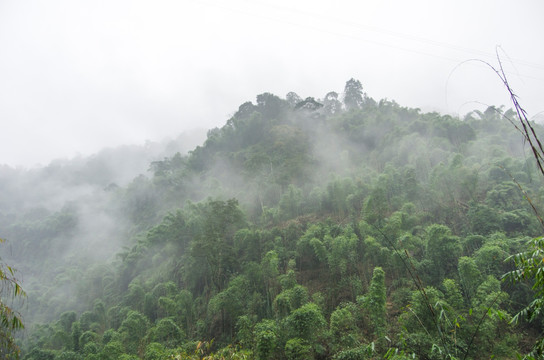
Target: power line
column 355, row 25
column 400, row 35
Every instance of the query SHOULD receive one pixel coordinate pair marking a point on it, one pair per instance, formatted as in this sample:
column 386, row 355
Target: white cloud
column 78, row 76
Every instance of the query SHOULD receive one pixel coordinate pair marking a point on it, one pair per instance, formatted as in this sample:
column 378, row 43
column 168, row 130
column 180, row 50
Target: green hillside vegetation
column 335, row 228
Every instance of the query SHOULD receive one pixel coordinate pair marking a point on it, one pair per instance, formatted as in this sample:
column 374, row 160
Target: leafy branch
column 10, row 319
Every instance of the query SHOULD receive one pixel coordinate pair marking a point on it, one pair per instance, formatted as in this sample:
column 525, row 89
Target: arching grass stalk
column 530, row 264
column 526, row 129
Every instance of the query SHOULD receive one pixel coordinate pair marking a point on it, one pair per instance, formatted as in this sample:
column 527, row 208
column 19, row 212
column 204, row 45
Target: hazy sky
column 77, row 75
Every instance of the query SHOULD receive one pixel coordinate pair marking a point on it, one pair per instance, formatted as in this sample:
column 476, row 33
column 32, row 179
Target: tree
column 353, row 94
column 219, row 221
column 490, row 260
column 421, row 322
column 10, row 318
column 269, row 265
column 266, row 339
column 66, row 320
column 469, row 276
column 133, row 330
column 88, row 337
column 331, row 104
column 375, row 301
column 290, row 299
column 360, row 353
column 530, row 267
column 291, row 202
column 166, row 333
column 452, row 294
column 376, row 206
column 483, row 219
column 343, row 326
column 308, row 104
column 76, row 334
column 155, row 351
column 230, row 303
column 270, row 106
column 40, row 354
column 443, row 249
column 293, row 99
column 245, row 110
column 306, row 322
column 298, row 349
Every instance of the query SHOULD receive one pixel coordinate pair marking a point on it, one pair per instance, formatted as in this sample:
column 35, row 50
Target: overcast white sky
column 77, row 76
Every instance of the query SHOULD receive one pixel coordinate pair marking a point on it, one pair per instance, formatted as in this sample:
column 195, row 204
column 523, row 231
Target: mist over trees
column 339, row 227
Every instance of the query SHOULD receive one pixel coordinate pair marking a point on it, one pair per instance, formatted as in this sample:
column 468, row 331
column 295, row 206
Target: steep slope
column 305, row 229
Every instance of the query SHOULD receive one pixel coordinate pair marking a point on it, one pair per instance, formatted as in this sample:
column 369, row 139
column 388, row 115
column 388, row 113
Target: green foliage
column 76, row 335
column 291, row 203
column 133, row 330
column 452, row 294
column 290, row 299
column 215, row 239
column 66, row 320
column 244, row 327
column 266, row 339
column 343, row 255
column 167, row 333
column 365, row 231
column 113, row 350
column 61, row 340
column 421, row 318
column 469, row 276
column 490, row 260
column 10, row 318
column 68, row 355
column 40, row 354
column 484, row 219
column 529, row 267
column 86, row 338
column 231, row 303
column 375, row 302
column 306, row 322
column 442, row 250
column 353, row 94
column 358, row 353
column 90, row 350
column 298, row 349
column 155, row 351
column 343, row 326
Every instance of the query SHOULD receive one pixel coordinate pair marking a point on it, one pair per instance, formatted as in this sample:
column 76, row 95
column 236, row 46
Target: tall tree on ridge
column 353, row 94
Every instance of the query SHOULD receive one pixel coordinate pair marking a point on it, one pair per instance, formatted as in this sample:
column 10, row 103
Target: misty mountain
column 292, row 231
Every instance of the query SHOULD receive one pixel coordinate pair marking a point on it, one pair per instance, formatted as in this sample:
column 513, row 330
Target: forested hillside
column 332, row 228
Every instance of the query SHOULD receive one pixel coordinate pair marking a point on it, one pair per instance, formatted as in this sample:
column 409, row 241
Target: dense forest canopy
column 330, row 228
